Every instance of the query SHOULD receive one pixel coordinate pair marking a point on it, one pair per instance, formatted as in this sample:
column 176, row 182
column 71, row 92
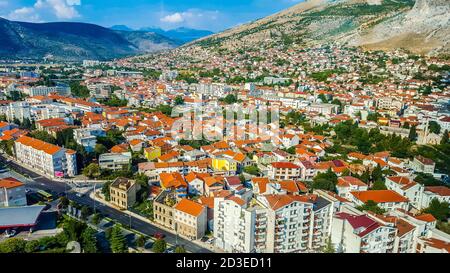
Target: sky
column 214, row 15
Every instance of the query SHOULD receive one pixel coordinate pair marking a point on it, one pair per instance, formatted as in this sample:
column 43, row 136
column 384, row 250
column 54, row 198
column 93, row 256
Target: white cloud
column 24, row 14
column 191, row 17
column 61, row 9
column 173, row 18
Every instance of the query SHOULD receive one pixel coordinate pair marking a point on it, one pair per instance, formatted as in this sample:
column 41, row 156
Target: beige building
column 190, row 219
column 123, row 192
column 163, row 212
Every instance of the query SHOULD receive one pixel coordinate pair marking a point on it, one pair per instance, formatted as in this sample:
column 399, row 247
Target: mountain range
column 75, row 41
column 182, row 34
column 421, row 26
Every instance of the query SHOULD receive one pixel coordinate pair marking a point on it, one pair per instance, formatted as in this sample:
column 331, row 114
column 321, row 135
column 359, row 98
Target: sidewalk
column 142, row 218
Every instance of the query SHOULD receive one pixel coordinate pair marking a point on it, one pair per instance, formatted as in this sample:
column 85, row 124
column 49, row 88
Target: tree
column 73, row 229
column 412, row 133
column 324, row 184
column 377, row 174
column 118, row 241
column 159, row 246
column 79, row 90
column 140, row 241
column 253, row 170
column 434, row 127
column 44, row 136
column 89, row 240
column 325, row 181
column 379, row 185
column 229, row 99
column 32, row 246
column 179, row 100
column 328, row 248
column 92, row 171
column 180, row 249
column 13, row 245
column 372, row 206
column 440, row 210
column 96, row 218
column 444, row 139
column 100, row 149
column 64, row 201
column 291, row 150
column 323, row 98
column 85, row 211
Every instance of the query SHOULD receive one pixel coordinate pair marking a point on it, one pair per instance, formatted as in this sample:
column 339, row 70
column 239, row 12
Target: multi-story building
column 236, row 225
column 408, row 188
column 19, row 110
column 12, row 193
column 361, row 234
column 45, row 90
column 294, row 223
column 123, row 192
column 284, row 171
column 423, row 164
column 115, row 162
column 47, row 158
column 87, row 137
column 347, row 184
column 190, row 219
column 163, row 211
column 441, row 193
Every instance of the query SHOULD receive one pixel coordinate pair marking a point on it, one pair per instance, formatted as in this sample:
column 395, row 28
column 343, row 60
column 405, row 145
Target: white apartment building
column 45, row 90
column 87, row 137
column 235, row 225
column 284, row 171
column 440, row 193
column 18, row 110
column 407, row 188
column 361, row 234
column 423, row 164
column 293, row 223
column 347, row 184
column 47, row 158
column 389, row 104
column 115, row 162
column 323, row 108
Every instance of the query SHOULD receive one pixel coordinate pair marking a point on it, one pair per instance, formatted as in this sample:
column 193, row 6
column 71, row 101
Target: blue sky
column 215, row 15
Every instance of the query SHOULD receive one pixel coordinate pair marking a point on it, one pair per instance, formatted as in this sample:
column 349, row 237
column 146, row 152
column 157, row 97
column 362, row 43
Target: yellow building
column 152, row 153
column 224, row 164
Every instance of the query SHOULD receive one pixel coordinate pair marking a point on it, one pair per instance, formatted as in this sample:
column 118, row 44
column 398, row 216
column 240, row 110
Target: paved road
column 43, row 183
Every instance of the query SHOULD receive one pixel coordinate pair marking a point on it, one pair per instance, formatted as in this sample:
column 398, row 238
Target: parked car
column 159, row 235
column 10, row 233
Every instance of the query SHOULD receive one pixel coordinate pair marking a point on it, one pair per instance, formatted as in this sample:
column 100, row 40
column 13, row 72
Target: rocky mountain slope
column 74, row 41
column 421, row 26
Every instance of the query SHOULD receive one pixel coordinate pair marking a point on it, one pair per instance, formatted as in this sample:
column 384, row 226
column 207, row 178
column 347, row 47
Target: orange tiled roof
column 39, row 145
column 379, row 196
column 10, row 183
column 189, row 207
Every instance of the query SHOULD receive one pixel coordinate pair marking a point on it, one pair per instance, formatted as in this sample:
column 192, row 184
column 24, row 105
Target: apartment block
column 47, row 158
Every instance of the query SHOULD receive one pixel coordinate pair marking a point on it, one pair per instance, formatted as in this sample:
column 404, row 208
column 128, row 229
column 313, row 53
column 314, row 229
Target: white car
column 10, row 233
